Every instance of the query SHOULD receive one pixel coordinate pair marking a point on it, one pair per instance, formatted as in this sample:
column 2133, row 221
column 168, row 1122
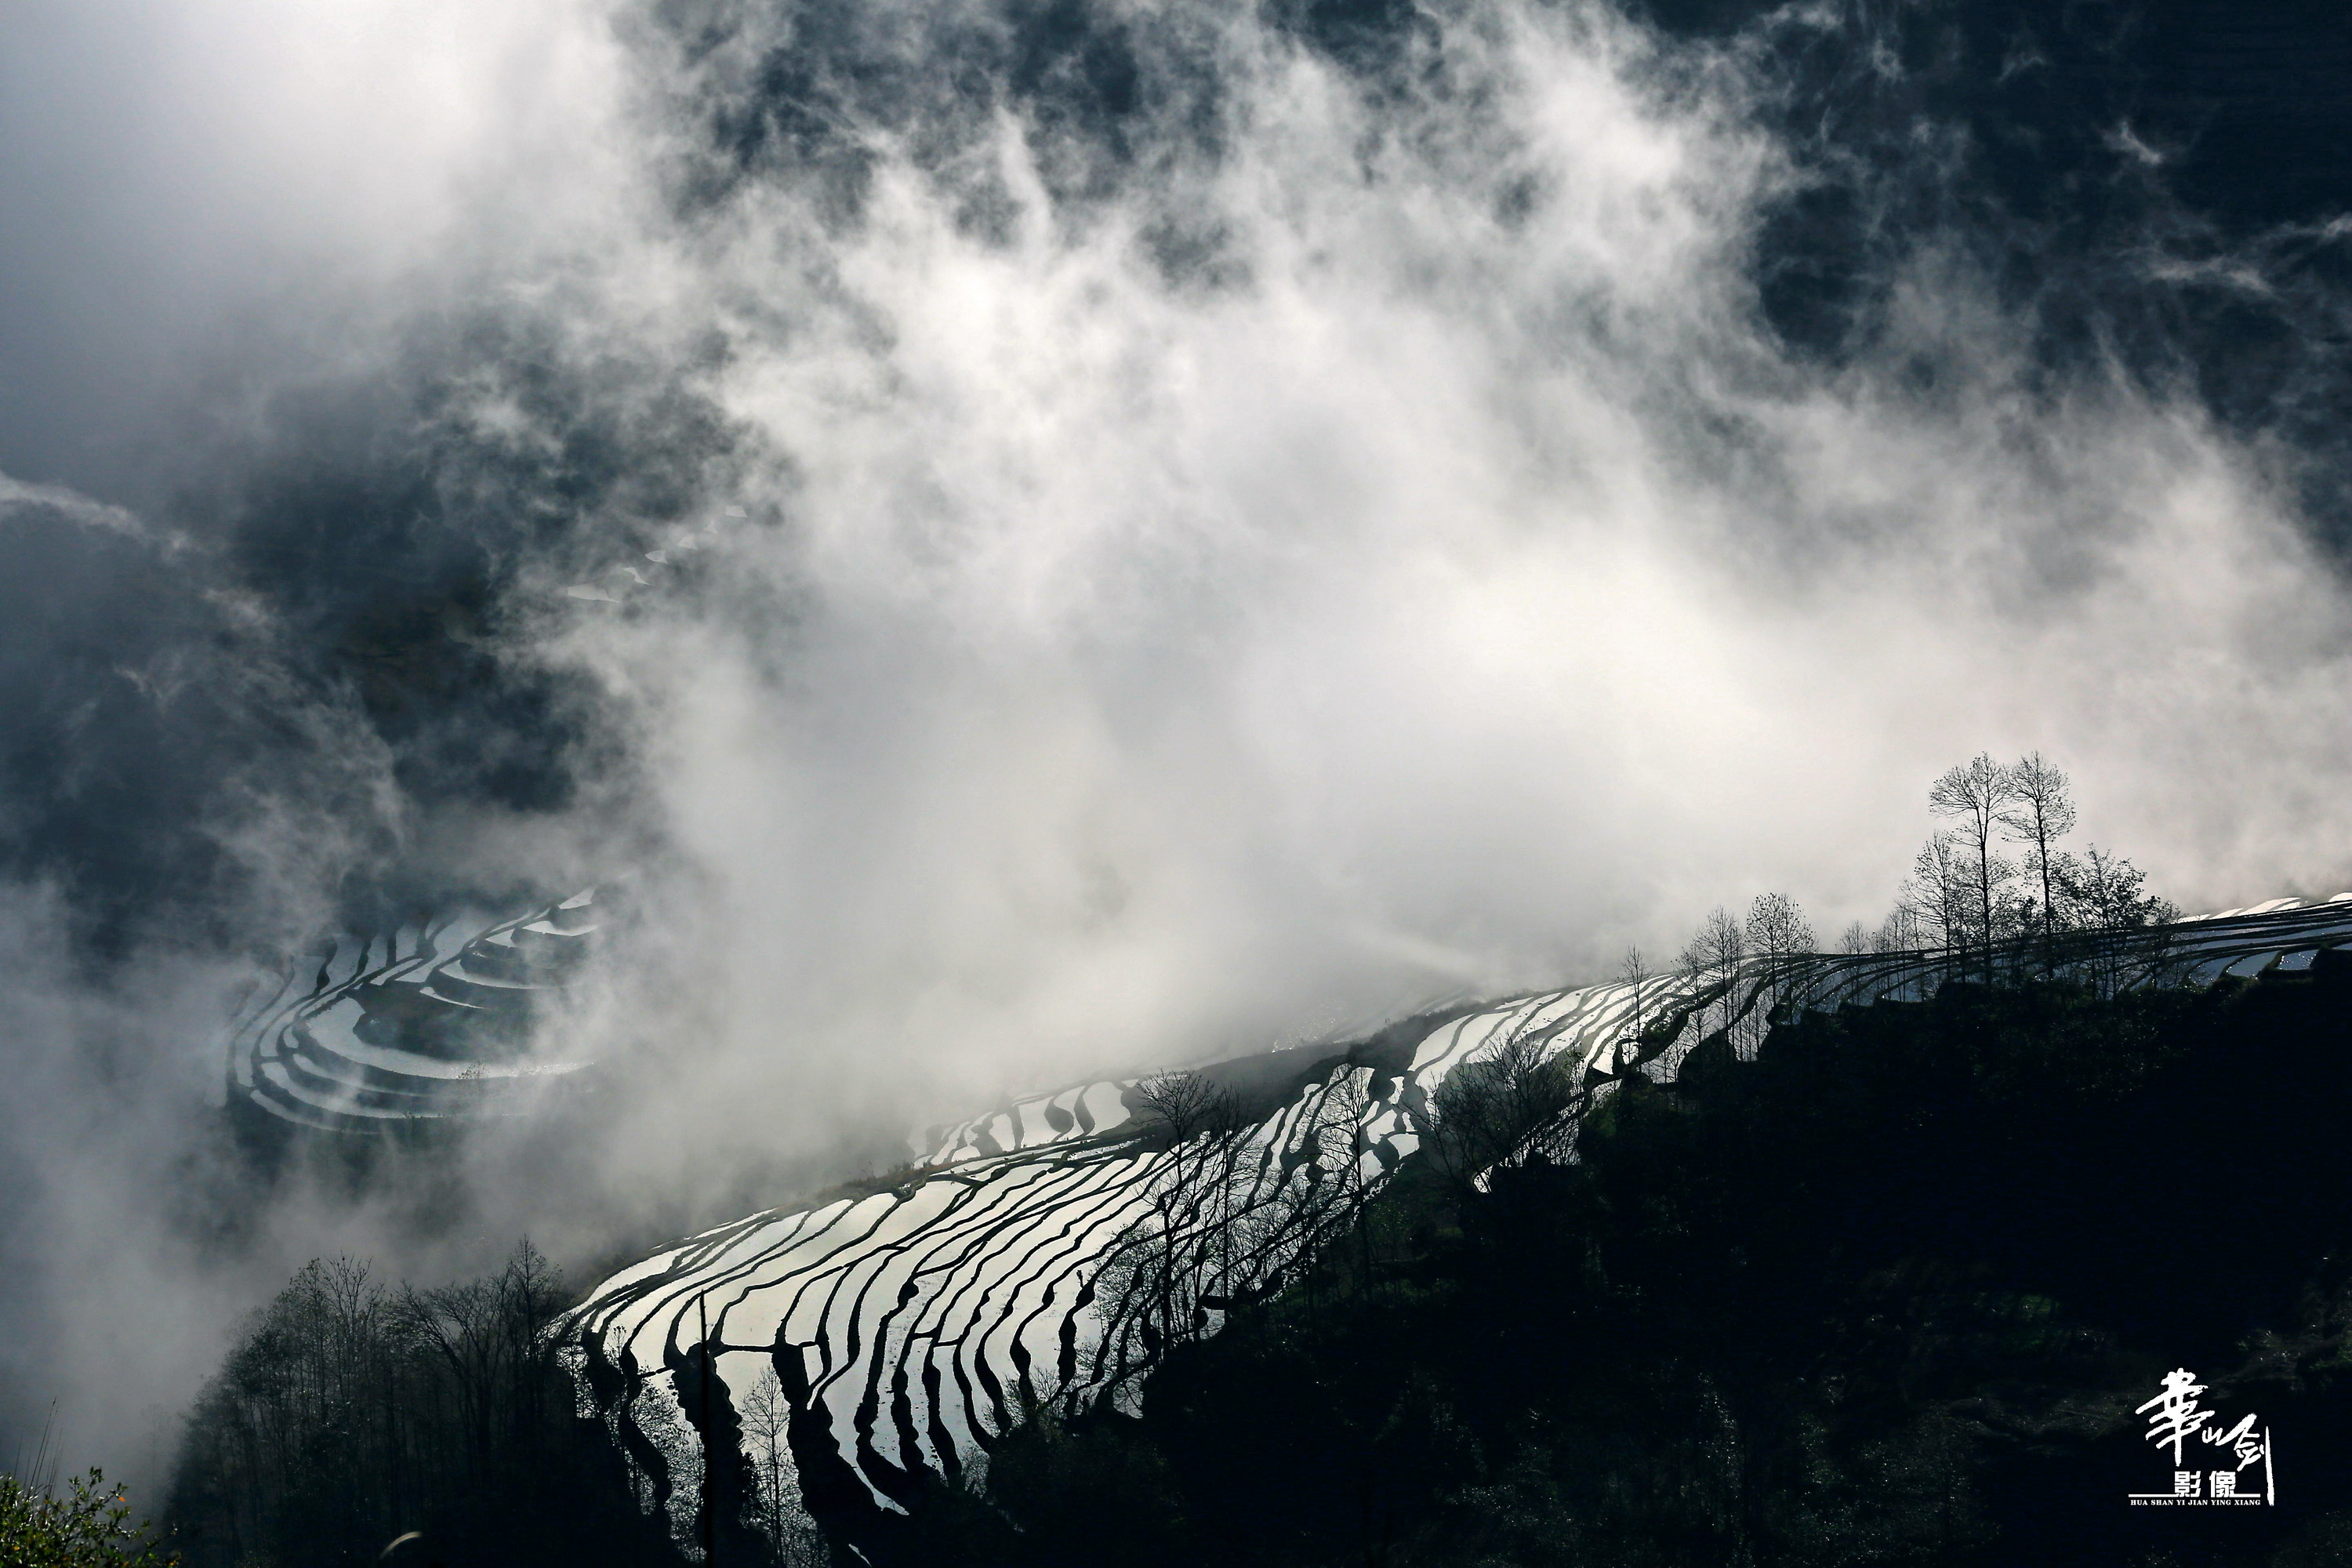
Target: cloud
column 208, row 197
column 15, row 495
column 1448, row 581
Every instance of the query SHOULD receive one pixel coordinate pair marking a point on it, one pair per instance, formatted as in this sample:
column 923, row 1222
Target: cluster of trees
column 1515, row 1104
column 1715, row 960
column 1998, row 872
column 354, row 1413
column 1998, row 875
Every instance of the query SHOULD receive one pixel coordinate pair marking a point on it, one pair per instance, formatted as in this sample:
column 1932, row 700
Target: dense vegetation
column 89, row 1525
column 354, row 1414
column 1888, row 1294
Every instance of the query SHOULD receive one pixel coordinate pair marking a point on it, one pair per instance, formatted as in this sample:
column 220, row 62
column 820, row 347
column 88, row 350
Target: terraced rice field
column 1049, row 1251
column 436, row 1019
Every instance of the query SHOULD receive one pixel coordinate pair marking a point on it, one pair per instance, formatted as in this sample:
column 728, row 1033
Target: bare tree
column 1635, row 972
column 776, row 1511
column 1186, row 1103
column 1339, row 1155
column 1778, row 934
column 1777, row 929
column 1711, row 960
column 2107, row 892
column 1974, row 796
column 1936, row 899
column 1189, row 1202
column 1178, row 1263
column 765, row 1414
column 1900, row 930
column 1225, row 1217
column 2041, row 813
column 1856, row 939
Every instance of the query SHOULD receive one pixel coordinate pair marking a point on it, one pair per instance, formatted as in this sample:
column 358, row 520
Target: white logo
column 2175, row 1421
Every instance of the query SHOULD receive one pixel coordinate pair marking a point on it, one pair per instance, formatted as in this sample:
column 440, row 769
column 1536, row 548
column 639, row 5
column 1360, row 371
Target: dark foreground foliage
column 1886, row 1295
column 354, row 1413
column 87, row 1526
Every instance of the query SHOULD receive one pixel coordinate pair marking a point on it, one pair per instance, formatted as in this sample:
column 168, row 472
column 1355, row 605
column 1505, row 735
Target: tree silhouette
column 1974, row 796
column 1635, row 970
column 1777, row 934
column 353, row 1411
column 2041, row 814
column 1512, row 1103
column 1711, row 960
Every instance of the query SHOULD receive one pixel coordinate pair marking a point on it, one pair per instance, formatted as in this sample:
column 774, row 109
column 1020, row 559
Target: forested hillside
column 357, row 1411
column 1888, row 1294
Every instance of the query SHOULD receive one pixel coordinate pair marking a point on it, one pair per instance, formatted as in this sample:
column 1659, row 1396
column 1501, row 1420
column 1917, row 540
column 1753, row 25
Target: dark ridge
column 1888, row 1293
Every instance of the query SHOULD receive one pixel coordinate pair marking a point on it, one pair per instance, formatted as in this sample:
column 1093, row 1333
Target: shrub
column 89, row 1526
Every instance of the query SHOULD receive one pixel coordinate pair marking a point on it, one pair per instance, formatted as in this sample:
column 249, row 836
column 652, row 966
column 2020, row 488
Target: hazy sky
column 1045, row 539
